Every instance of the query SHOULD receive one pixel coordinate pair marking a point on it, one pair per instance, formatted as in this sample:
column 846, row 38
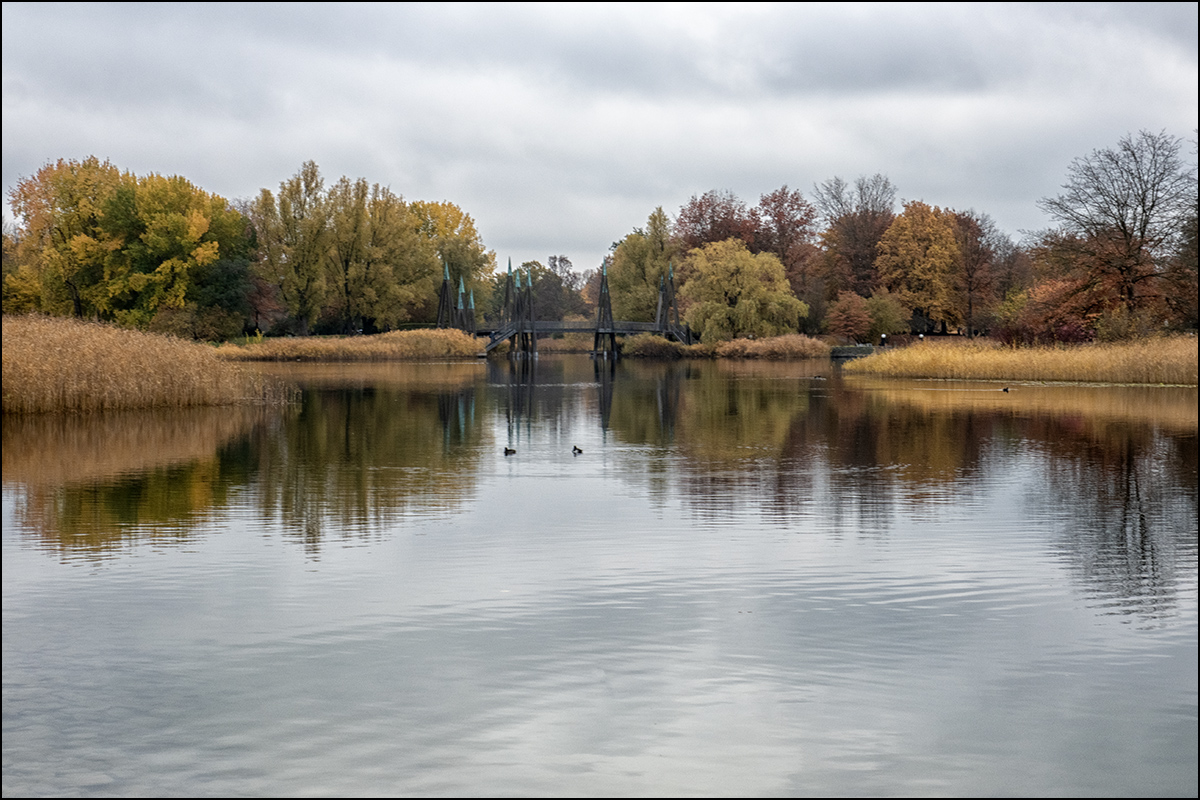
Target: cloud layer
column 559, row 128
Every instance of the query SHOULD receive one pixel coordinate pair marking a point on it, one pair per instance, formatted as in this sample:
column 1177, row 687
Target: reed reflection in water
column 756, row 578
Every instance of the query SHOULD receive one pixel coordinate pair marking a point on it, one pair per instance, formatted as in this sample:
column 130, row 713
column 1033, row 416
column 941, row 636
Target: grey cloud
column 568, row 124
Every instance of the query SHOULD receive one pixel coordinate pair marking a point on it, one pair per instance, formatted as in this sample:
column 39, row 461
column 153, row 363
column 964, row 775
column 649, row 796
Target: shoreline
column 58, row 364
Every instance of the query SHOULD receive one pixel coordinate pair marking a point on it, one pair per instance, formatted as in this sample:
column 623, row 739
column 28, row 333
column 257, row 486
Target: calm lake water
column 756, row 579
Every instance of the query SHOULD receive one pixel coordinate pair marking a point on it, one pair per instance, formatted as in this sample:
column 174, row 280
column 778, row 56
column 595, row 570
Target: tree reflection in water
column 371, row 446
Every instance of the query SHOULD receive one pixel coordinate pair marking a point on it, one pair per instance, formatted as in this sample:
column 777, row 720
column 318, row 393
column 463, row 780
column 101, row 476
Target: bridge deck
column 550, row 327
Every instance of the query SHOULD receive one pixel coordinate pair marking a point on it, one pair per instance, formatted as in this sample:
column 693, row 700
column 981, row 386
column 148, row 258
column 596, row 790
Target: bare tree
column 978, row 242
column 1124, row 211
column 856, row 218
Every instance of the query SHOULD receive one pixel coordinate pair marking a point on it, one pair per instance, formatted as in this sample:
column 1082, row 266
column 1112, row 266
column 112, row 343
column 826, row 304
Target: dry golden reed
column 1163, row 360
column 394, row 346
column 56, row 364
column 775, row 348
column 790, row 347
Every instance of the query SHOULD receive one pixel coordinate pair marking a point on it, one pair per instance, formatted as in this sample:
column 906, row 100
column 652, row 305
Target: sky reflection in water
column 755, row 579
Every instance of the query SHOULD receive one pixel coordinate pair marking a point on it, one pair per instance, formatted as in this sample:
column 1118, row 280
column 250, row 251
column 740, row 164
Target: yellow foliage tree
column 380, row 267
column 917, row 259
column 452, row 233
column 640, row 261
column 164, row 226
column 294, row 238
column 62, row 246
column 733, row 292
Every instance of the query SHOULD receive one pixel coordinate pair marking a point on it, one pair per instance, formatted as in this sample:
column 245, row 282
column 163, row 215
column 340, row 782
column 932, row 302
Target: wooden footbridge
column 518, row 324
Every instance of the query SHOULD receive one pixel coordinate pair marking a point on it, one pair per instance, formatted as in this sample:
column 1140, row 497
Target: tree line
column 1120, row 261
column 159, row 253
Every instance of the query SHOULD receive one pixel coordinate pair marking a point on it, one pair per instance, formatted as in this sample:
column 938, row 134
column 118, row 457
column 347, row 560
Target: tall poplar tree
column 641, row 260
column 294, row 236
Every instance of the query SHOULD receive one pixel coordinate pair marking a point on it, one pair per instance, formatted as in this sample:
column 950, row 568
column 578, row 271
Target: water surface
column 756, row 579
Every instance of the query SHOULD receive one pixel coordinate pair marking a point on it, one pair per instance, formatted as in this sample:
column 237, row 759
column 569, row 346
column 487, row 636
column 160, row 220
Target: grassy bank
column 394, row 346
column 55, row 364
column 1166, row 360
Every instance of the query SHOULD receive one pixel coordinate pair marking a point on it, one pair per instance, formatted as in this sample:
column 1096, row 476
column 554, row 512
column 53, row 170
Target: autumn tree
column 918, row 257
column 183, row 261
column 783, row 224
column 888, row 314
column 61, row 248
column 640, row 262
column 294, row 239
column 399, row 265
column 733, row 292
column 714, row 217
column 348, row 232
column 153, row 251
column 856, row 218
column 1124, row 211
column 1012, row 268
column 786, row 227
column 453, row 236
column 1053, row 310
column 849, row 317
column 978, row 242
column 380, row 269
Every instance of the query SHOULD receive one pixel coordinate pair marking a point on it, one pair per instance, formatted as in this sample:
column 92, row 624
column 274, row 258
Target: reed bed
column 52, row 364
column 792, row 346
column 1162, row 360
column 415, row 345
column 649, row 345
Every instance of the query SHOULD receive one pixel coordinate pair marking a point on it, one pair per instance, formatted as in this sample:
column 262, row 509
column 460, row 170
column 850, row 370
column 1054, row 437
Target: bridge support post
column 523, row 341
column 666, row 319
column 447, row 312
column 605, row 343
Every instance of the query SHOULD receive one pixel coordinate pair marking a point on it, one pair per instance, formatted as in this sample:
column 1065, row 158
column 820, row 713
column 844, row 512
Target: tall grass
column 1165, row 360
column 793, row 346
column 56, row 364
column 394, row 346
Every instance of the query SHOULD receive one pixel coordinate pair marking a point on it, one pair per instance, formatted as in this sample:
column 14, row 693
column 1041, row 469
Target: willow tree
column 732, row 292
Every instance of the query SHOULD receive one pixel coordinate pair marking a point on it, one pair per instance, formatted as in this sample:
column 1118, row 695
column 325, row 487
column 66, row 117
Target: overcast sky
column 560, row 128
